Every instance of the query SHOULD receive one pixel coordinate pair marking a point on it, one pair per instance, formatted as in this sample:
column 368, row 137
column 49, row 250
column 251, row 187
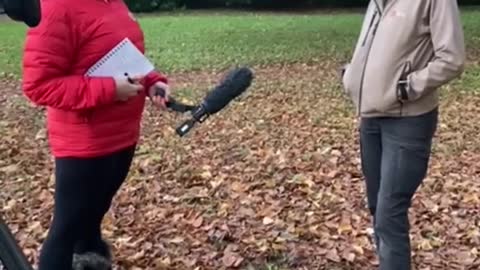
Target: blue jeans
column 395, row 153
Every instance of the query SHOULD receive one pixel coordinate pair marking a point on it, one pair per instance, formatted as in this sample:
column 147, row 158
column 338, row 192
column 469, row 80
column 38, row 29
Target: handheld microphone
column 26, row 11
column 233, row 84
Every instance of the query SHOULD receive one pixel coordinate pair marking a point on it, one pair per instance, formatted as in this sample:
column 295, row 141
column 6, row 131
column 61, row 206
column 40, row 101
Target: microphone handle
column 178, row 106
column 173, row 104
column 199, row 114
column 184, row 128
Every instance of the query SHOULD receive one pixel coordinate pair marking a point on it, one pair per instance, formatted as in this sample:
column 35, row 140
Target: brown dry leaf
column 162, row 262
column 471, row 198
column 332, row 255
column 345, row 228
column 231, row 259
column 268, row 221
column 176, row 240
column 198, row 222
column 426, row 245
column 349, row 256
column 10, row 205
column 10, row 169
column 206, row 175
column 358, row 249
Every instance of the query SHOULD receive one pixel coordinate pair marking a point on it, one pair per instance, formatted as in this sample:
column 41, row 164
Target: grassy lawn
column 199, row 41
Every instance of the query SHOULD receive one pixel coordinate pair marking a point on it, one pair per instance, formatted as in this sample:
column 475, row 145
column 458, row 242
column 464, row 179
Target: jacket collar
column 384, row 5
column 389, row 4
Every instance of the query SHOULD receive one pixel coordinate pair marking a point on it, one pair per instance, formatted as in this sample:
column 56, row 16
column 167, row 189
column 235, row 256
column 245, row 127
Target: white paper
column 123, row 59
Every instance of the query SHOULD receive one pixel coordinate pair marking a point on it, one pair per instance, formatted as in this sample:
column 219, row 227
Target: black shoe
column 91, row 261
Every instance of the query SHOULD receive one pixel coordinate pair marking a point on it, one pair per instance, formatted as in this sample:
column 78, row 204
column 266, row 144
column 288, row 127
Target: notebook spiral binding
column 106, row 57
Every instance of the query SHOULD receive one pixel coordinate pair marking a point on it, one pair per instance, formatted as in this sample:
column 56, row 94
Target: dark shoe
column 373, row 239
column 91, row 261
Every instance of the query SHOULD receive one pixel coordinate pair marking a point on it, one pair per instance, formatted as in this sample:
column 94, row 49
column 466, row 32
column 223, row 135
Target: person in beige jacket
column 406, row 51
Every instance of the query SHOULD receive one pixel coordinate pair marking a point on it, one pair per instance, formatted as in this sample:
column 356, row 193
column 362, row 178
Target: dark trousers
column 84, row 189
column 395, row 154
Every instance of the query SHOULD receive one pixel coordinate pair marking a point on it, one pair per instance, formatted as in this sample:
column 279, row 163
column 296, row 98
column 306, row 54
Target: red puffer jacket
column 83, row 118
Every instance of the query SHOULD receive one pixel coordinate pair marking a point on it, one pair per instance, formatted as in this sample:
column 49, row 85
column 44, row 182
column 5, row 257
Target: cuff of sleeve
column 108, row 90
column 411, row 93
column 152, row 78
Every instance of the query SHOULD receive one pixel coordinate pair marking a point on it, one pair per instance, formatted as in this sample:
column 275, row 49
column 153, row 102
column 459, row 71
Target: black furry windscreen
column 233, row 84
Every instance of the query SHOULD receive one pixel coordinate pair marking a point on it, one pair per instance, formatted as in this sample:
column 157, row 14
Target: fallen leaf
column 267, row 221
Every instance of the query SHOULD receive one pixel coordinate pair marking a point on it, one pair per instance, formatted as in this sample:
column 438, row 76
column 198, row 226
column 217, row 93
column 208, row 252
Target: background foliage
column 273, row 182
column 154, row 5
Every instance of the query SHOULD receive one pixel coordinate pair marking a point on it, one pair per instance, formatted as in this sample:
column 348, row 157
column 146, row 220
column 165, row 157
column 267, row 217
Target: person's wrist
column 403, row 90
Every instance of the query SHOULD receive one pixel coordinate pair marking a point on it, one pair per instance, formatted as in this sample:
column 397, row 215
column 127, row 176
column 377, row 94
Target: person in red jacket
column 93, row 122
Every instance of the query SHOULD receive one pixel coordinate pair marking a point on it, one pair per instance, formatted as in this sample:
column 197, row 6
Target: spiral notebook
column 124, row 59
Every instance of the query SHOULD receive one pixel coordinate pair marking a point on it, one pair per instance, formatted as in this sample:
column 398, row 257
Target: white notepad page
column 123, row 59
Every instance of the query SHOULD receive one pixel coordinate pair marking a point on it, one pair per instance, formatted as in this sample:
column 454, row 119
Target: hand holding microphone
column 159, row 93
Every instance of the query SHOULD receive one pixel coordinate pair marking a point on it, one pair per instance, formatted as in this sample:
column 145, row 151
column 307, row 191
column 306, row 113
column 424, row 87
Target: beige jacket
column 420, row 42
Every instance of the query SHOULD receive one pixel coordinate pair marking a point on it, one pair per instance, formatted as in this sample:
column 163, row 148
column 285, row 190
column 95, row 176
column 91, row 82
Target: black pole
column 11, row 254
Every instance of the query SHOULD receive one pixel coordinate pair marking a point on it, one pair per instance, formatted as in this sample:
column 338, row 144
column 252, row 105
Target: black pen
column 130, row 80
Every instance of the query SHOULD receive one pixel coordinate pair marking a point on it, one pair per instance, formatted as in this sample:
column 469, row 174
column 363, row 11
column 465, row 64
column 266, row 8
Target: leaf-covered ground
column 273, row 182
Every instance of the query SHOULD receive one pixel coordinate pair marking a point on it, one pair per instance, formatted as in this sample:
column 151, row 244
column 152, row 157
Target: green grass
column 188, row 41
column 217, row 41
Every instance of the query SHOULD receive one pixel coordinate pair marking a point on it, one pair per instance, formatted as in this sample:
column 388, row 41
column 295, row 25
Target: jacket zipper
column 377, row 5
column 406, row 70
column 366, row 60
column 369, row 27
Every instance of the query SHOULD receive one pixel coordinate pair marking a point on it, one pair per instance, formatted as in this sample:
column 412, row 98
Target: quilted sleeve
column 154, row 77
column 48, row 54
